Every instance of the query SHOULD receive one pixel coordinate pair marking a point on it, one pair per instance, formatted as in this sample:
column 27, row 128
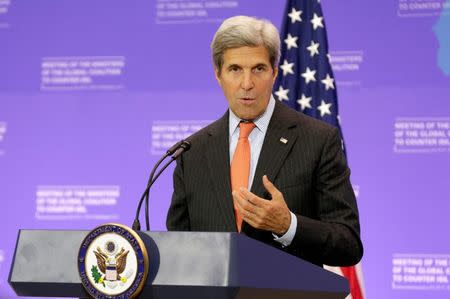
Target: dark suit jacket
column 310, row 170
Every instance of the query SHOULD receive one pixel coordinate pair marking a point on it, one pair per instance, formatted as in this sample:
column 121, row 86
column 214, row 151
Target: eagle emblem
column 111, row 262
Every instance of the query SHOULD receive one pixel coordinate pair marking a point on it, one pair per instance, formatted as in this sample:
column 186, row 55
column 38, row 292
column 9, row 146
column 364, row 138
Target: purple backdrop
column 91, row 93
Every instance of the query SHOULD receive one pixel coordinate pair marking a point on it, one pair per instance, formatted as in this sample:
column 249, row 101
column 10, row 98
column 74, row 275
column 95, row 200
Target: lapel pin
column 283, row 140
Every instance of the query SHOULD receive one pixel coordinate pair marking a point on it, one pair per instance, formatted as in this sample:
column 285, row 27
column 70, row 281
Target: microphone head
column 186, row 145
column 173, row 148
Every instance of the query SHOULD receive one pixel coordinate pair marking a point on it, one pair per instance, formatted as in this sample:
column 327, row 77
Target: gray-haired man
column 264, row 169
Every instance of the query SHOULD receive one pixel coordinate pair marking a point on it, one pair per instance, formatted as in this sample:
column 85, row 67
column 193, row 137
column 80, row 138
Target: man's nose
column 247, row 82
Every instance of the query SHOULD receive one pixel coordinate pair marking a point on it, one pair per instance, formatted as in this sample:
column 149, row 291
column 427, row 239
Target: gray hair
column 243, row 31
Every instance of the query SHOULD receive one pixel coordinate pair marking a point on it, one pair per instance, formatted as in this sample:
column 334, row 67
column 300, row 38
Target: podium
column 182, row 265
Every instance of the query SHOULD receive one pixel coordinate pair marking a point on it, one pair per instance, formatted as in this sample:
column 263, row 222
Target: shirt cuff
column 286, row 239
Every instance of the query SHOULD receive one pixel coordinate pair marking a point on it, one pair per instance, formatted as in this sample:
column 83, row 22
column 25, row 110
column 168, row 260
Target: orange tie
column 240, row 165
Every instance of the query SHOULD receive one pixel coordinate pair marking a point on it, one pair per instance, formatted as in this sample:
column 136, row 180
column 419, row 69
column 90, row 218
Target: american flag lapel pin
column 283, row 140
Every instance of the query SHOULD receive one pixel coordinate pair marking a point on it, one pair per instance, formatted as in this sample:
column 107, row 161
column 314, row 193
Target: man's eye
column 234, row 69
column 260, row 69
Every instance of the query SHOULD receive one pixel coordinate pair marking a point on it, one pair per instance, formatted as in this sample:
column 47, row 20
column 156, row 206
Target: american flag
column 306, row 83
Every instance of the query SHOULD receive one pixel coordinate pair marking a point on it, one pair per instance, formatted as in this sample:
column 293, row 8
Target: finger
column 270, row 187
column 238, row 200
column 255, row 221
column 250, row 221
column 252, row 198
column 253, row 203
column 243, row 204
column 250, row 218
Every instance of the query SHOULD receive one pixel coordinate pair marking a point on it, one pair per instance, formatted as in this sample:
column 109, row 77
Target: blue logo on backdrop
column 442, row 31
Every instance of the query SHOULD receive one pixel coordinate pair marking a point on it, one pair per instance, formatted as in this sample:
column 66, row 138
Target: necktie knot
column 245, row 129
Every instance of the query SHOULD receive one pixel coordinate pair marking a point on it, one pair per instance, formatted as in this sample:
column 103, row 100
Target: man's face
column 246, row 80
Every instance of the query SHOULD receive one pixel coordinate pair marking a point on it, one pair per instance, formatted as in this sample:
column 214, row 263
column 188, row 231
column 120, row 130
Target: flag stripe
column 351, row 275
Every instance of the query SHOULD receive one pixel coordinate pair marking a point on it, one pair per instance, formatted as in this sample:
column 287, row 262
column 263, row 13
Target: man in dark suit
column 300, row 199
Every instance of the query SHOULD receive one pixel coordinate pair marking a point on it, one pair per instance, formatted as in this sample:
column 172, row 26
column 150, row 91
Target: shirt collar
column 261, row 122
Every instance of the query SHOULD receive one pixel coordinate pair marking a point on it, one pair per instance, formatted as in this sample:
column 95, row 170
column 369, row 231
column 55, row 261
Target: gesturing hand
column 271, row 215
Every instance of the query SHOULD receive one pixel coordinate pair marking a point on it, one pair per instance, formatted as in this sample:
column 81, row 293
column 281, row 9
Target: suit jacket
column 309, row 169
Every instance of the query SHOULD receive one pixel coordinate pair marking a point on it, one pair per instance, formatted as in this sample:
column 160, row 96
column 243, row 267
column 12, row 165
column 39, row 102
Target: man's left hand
column 271, row 215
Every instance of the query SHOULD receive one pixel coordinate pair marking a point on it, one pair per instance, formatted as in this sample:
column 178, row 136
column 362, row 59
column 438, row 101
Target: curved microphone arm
column 176, row 150
column 136, row 224
column 184, row 146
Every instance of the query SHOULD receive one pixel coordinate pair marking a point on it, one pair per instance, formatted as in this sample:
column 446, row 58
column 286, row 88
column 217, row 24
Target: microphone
column 176, row 150
column 174, row 147
column 183, row 147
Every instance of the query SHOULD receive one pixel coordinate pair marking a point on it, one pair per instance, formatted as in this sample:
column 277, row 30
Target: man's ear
column 275, row 74
column 217, row 75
